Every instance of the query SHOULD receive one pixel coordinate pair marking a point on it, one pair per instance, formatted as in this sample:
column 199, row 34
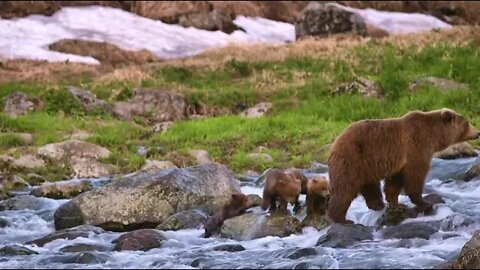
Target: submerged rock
column 229, row 248
column 80, row 231
column 345, row 235
column 22, row 203
column 16, row 250
column 80, row 258
column 143, row 240
column 147, row 199
column 409, row 230
column 84, row 247
column 257, row 225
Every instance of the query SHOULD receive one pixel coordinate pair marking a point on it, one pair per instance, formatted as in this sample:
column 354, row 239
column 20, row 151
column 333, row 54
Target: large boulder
column 469, row 257
column 148, row 199
column 155, row 105
column 18, row 103
column 257, row 225
column 324, row 19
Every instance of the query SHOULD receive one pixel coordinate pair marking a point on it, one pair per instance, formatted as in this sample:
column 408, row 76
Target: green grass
column 305, row 115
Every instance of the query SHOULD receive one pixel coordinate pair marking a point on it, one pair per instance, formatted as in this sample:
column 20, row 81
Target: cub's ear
column 447, row 115
column 236, row 196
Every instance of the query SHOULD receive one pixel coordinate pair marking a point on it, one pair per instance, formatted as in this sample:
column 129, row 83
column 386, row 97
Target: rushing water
column 187, row 249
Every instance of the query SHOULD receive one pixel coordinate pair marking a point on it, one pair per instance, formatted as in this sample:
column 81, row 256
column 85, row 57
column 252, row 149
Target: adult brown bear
column 398, row 150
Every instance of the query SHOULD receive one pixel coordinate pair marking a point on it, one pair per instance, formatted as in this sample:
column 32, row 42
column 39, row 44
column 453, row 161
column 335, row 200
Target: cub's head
column 319, row 186
column 240, row 200
column 457, row 128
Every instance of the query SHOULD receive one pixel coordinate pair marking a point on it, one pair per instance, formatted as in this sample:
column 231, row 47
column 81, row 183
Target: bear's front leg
column 414, row 183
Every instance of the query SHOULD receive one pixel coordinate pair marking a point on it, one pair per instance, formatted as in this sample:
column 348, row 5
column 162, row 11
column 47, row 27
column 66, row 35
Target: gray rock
column 4, row 223
column 257, row 225
column 18, row 103
column 88, row 168
column 80, row 258
column 16, row 250
column 147, row 199
column 409, row 230
column 70, row 149
column 318, row 168
column 458, row 150
column 155, row 165
column 88, row 100
column 365, row 87
column 318, row 222
column 155, row 105
column 201, row 156
column 258, row 110
column 22, row 203
column 187, row 219
column 322, row 20
column 394, row 216
column 80, row 231
column 28, row 162
column 229, row 248
column 439, row 83
column 260, row 157
column 83, row 248
column 303, row 252
column 62, row 189
column 344, row 235
column 144, row 240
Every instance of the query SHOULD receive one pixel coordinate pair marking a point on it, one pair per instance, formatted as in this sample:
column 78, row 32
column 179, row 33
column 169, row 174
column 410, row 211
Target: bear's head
column 240, row 200
column 457, row 129
column 319, row 186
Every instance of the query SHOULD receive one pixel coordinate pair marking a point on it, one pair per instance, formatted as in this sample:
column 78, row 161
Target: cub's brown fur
column 237, row 205
column 398, row 150
column 318, row 194
column 282, row 185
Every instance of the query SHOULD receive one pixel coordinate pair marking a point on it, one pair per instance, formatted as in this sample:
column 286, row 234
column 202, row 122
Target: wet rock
column 70, row 149
column 318, row 168
column 155, row 105
column 201, row 156
column 260, row 157
column 453, row 222
column 344, row 235
column 412, row 243
column 22, row 138
column 187, row 219
column 473, row 172
column 318, row 222
column 84, row 248
column 433, row 198
column 80, row 258
column 469, row 257
column 18, row 103
column 459, row 150
column 4, row 223
column 148, row 199
column 365, row 87
column 22, row 203
column 28, row 162
column 88, row 168
column 258, row 110
column 88, row 100
column 199, row 263
column 155, row 165
column 439, row 83
column 143, row 240
column 229, row 248
column 409, row 230
column 61, row 190
column 303, row 252
column 257, row 225
column 325, row 19
column 79, row 231
column 16, row 250
column 255, row 200
column 394, row 216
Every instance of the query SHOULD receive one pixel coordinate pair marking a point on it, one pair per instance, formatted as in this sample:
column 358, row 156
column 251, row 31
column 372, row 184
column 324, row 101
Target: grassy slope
column 304, row 119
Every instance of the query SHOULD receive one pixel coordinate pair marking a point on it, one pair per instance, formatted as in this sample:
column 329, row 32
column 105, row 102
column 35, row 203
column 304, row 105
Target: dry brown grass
column 338, row 45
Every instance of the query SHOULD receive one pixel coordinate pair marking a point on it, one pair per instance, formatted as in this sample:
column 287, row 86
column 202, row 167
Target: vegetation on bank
column 305, row 117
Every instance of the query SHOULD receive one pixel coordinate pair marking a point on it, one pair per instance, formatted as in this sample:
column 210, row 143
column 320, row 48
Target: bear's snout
column 473, row 133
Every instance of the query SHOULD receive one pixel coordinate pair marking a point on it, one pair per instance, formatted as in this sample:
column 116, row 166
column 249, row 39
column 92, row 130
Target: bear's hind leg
column 373, row 196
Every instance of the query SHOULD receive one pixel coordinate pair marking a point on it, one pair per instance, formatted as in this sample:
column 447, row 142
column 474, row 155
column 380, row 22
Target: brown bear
column 398, row 150
column 318, row 194
column 285, row 186
column 237, row 205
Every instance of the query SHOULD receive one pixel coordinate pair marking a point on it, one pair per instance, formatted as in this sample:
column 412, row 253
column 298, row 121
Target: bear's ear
column 447, row 115
column 236, row 196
